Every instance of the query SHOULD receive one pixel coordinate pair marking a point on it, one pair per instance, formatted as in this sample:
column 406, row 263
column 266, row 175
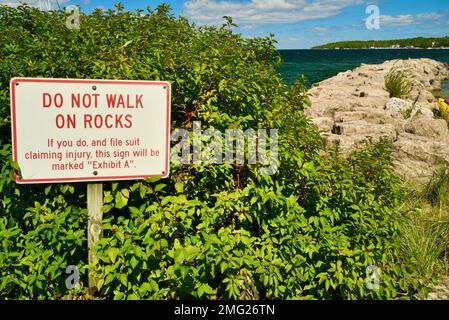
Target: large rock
column 354, row 108
column 423, row 110
column 398, row 107
column 420, row 126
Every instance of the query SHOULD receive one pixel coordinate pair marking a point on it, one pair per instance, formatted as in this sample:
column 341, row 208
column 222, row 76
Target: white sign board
column 69, row 130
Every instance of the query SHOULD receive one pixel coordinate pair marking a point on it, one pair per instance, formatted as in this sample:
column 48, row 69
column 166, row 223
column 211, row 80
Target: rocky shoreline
column 354, row 108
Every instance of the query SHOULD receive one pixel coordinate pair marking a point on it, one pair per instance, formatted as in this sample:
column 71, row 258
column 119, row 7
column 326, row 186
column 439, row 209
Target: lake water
column 318, row 65
column 444, row 92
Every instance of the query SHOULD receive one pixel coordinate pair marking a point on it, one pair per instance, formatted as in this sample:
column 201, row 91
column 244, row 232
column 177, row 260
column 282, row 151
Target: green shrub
column 397, row 83
column 223, row 231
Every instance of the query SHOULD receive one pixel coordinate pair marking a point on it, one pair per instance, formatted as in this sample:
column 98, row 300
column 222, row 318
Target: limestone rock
column 422, row 110
column 431, row 128
column 398, row 107
column 324, row 124
column 354, row 108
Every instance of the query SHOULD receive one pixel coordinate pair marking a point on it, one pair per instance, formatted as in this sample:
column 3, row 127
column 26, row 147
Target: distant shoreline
column 375, row 49
column 433, row 43
column 334, row 49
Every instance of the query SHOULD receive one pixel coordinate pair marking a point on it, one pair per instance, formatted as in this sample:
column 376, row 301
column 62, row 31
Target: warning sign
column 69, row 130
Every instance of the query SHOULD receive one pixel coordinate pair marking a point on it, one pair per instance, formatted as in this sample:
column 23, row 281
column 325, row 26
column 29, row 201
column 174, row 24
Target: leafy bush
column 222, row 231
column 269, row 240
column 397, row 83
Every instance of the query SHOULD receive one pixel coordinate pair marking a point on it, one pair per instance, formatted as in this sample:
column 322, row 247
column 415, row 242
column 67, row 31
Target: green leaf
column 127, row 44
column 159, row 187
column 100, row 283
column 47, row 190
column 112, row 254
column 133, row 296
column 179, row 186
column 124, row 279
column 118, row 295
column 121, row 199
column 180, row 255
column 204, row 289
column 133, row 262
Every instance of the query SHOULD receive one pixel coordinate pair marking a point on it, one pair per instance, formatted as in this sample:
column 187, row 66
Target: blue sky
column 303, row 23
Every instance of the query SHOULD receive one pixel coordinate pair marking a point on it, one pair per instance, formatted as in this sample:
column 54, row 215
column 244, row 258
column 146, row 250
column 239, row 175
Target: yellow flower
column 444, row 109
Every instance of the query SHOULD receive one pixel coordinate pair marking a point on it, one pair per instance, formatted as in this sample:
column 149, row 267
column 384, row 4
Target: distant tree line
column 401, row 43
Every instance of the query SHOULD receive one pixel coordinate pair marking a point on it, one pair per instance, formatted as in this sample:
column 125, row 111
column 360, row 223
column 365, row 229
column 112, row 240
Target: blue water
column 318, row 65
column 445, row 86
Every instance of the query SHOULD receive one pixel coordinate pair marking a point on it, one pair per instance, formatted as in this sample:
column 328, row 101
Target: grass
column 407, row 113
column 397, row 83
column 424, row 242
column 436, row 191
column 424, row 239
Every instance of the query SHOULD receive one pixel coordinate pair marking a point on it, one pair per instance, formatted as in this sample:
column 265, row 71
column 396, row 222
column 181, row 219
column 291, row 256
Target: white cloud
column 319, row 29
column 13, row 3
column 399, row 20
column 264, row 11
column 34, row 3
column 431, row 16
column 407, row 19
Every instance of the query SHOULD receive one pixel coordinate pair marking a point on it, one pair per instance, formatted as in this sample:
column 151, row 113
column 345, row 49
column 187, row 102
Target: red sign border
column 90, row 81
